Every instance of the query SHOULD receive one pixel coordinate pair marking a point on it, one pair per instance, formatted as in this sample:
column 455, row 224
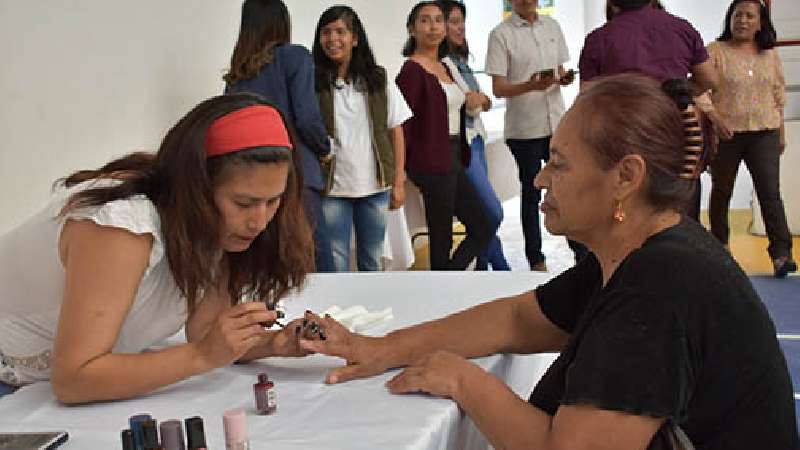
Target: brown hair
column 180, row 181
column 265, row 25
column 631, row 114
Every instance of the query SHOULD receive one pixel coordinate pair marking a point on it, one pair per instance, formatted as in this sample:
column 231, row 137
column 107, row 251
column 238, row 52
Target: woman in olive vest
column 363, row 114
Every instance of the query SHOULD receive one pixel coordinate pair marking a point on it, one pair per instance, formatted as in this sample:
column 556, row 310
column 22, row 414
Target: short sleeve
column 633, row 358
column 588, row 63
column 496, row 55
column 699, row 52
column 398, row 110
column 564, row 298
column 780, row 81
column 136, row 214
column 563, row 51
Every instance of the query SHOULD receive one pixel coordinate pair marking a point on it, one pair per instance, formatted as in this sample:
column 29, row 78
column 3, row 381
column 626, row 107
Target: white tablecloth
column 312, row 415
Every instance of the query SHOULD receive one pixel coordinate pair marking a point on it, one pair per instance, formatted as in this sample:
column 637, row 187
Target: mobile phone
column 546, row 73
column 46, row 440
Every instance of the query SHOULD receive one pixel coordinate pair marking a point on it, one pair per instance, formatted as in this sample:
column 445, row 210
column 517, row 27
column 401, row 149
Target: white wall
column 84, row 81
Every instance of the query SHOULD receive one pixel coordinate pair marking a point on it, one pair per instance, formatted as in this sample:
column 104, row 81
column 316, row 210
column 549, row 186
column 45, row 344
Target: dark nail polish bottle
column 150, row 435
column 127, row 440
column 264, row 390
column 195, row 434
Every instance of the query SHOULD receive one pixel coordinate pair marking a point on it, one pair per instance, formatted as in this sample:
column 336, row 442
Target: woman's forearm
column 496, row 409
column 117, row 376
column 509, row 325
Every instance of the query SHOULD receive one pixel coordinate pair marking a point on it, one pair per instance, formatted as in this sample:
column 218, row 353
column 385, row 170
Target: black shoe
column 783, row 266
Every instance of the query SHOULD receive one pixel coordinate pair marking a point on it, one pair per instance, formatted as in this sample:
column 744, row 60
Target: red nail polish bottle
column 264, row 390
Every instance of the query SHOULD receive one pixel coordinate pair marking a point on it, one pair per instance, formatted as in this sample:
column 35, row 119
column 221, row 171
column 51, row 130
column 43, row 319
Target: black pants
column 529, row 155
column 445, row 196
column 761, row 154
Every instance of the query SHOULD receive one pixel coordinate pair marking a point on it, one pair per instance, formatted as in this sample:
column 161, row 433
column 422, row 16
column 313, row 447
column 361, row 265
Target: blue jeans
column 478, row 174
column 6, row 389
column 322, row 246
column 368, row 216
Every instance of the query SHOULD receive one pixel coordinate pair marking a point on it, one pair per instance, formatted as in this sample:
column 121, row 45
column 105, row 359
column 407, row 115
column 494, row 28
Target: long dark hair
column 448, row 6
column 634, row 114
column 765, row 38
column 180, row 181
column 265, row 25
column 363, row 70
column 411, row 44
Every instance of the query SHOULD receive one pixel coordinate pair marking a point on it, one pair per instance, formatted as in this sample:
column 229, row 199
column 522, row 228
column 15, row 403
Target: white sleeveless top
column 32, row 286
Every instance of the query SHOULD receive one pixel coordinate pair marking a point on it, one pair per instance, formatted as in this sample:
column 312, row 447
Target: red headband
column 254, row 126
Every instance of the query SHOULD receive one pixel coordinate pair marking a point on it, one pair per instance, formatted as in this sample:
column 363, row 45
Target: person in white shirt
column 525, row 57
column 128, row 254
column 363, row 112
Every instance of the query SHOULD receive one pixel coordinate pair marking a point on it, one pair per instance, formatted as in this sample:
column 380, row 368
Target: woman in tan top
column 749, row 100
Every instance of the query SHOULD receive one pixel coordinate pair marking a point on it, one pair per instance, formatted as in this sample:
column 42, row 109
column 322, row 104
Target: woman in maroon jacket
column 436, row 148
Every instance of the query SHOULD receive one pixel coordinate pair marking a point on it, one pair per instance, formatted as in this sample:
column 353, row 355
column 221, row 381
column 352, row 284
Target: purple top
column 427, row 133
column 648, row 41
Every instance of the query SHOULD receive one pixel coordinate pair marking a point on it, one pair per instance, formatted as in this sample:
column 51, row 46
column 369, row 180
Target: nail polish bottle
column 234, row 422
column 127, row 440
column 135, row 423
column 150, row 435
column 195, row 434
column 172, row 435
column 266, row 399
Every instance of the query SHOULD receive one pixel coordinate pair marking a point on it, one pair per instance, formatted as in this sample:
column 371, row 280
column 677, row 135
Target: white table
column 311, row 415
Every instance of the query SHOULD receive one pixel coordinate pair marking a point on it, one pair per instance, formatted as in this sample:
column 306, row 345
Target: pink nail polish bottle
column 266, row 399
column 234, row 422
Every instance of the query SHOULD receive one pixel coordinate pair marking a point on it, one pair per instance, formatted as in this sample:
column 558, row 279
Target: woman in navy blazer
column 265, row 63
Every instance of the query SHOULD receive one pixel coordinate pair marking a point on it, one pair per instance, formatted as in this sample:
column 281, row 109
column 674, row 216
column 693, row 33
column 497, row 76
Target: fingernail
column 297, row 329
column 327, row 316
column 305, row 323
column 308, row 311
column 322, row 335
column 280, row 314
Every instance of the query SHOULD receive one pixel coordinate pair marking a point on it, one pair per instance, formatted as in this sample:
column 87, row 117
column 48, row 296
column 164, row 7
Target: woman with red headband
column 128, row 254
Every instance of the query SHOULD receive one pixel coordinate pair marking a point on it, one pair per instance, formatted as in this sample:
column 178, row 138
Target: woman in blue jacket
column 265, row 63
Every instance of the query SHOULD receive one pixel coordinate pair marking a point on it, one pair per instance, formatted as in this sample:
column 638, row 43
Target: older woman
column 750, row 99
column 663, row 340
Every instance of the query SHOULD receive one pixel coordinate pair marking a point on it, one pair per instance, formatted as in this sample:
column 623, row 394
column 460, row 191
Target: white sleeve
column 496, row 55
column 563, row 51
column 397, row 108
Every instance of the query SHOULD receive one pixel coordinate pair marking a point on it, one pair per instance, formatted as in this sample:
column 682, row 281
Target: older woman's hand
column 441, row 373
column 366, row 356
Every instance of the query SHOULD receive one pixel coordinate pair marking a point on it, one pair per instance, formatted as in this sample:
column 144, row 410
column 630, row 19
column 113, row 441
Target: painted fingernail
column 327, row 316
column 297, row 329
column 322, row 335
column 280, row 314
column 308, row 311
column 305, row 323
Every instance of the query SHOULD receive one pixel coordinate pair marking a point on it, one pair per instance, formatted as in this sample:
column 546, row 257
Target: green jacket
column 378, row 104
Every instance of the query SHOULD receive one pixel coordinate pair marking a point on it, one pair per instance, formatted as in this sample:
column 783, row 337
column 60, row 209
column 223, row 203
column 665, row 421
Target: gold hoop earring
column 619, row 213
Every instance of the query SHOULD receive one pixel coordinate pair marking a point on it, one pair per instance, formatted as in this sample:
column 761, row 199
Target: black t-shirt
column 678, row 332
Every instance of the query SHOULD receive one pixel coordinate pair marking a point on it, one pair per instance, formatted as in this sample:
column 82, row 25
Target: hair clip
column 693, row 145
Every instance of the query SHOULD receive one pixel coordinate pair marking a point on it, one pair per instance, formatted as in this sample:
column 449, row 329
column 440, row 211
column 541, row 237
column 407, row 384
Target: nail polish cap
column 172, row 435
column 149, row 435
column 234, row 421
column 195, row 434
column 127, row 440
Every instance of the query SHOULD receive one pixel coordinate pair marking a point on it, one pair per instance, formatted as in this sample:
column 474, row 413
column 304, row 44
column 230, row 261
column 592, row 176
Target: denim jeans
column 322, row 246
column 530, row 154
column 6, row 389
column 478, row 174
column 761, row 155
column 368, row 216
